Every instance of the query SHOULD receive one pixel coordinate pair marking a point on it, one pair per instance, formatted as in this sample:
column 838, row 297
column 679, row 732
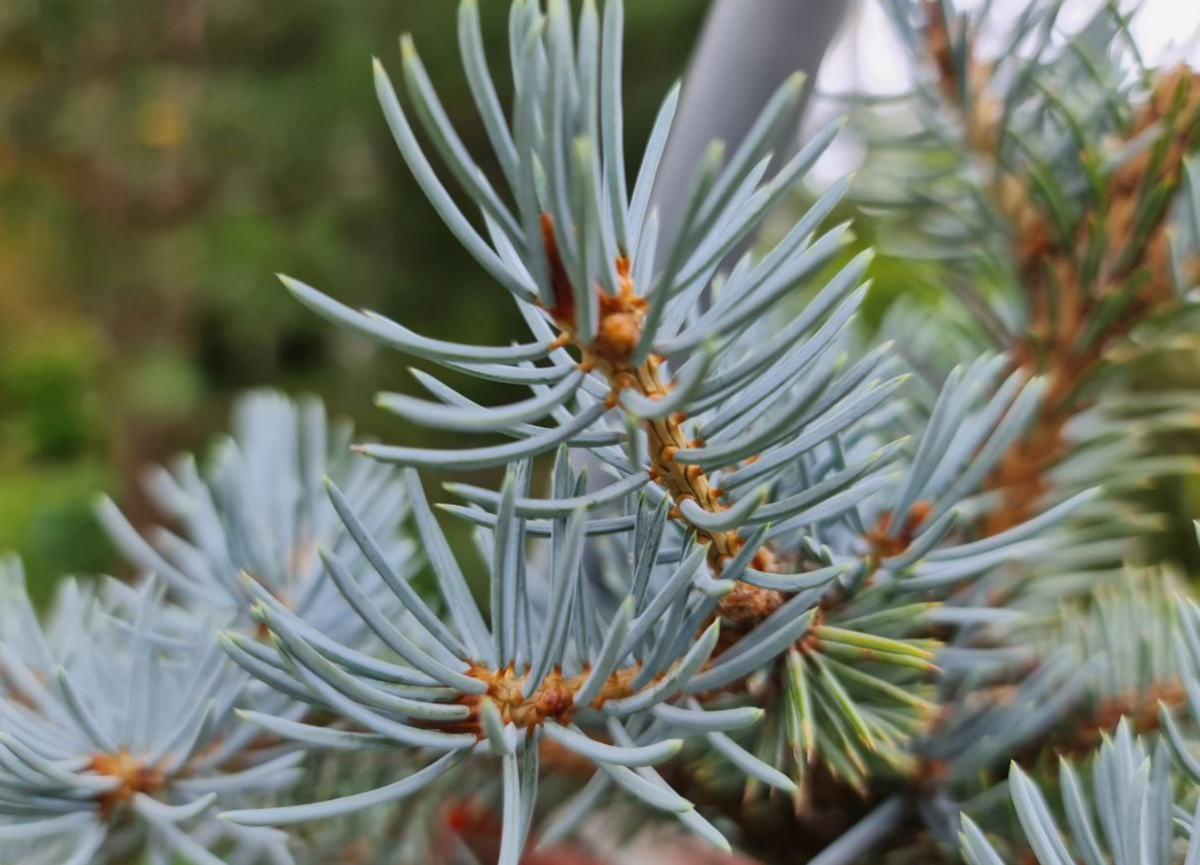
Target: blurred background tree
column 159, row 159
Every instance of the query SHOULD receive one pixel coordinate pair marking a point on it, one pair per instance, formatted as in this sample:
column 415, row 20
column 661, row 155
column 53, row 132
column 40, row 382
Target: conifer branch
column 1091, row 276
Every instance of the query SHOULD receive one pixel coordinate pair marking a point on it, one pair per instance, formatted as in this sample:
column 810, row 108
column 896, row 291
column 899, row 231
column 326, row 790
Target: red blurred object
column 477, row 825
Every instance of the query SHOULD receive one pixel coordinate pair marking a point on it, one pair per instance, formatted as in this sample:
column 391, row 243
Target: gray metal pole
column 746, row 50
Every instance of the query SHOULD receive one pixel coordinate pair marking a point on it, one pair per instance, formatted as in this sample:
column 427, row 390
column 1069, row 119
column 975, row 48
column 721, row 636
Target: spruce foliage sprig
column 118, row 733
column 774, row 522
column 258, row 506
column 1136, row 800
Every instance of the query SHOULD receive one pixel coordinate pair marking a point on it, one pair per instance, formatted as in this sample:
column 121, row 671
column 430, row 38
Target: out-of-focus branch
column 1116, row 269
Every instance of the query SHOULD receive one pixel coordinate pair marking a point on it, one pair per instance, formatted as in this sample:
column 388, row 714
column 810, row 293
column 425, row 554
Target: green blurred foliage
column 159, row 160
column 51, row 428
